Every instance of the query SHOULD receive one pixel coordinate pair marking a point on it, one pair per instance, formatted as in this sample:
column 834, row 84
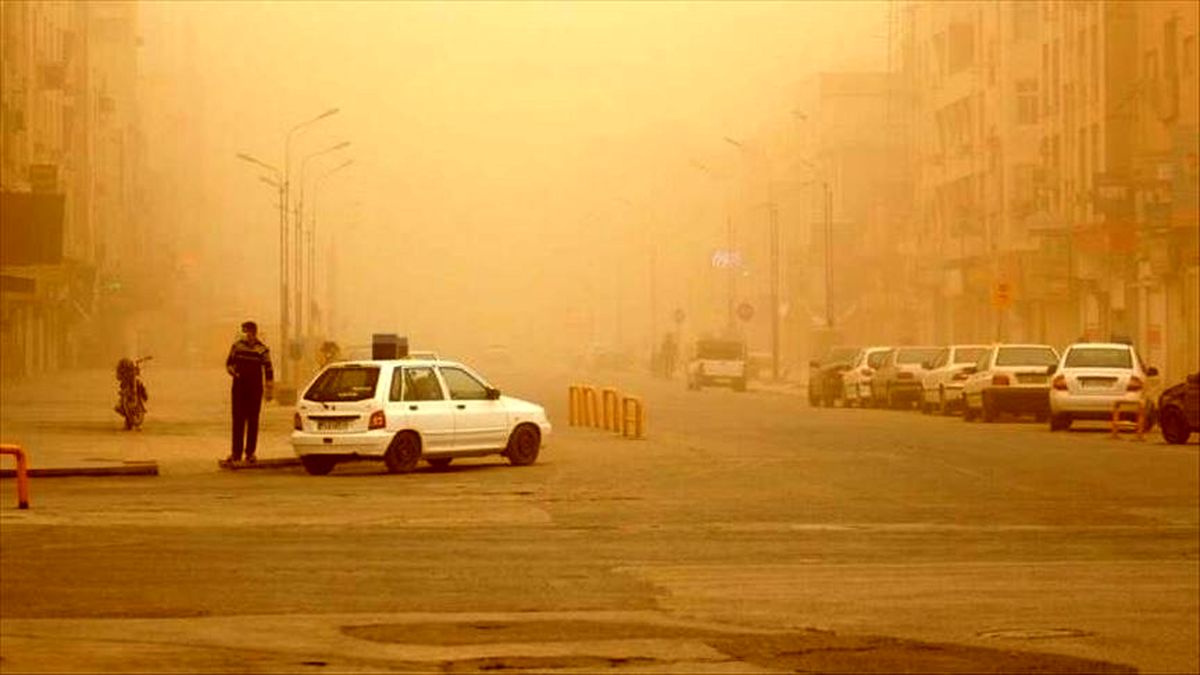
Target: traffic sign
column 1002, row 295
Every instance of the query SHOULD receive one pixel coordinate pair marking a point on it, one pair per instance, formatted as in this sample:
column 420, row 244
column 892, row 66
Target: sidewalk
column 66, row 420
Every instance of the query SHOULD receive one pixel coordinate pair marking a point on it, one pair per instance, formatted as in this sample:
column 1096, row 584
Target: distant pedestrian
column 249, row 363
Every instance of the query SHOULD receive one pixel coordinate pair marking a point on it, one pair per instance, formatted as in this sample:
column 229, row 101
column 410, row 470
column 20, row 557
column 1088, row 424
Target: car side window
column 942, row 358
column 982, row 364
column 463, row 387
column 421, row 384
column 397, row 384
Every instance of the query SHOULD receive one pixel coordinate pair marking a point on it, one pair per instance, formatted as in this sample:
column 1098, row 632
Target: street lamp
column 299, row 234
column 827, row 200
column 773, row 212
column 729, row 262
column 280, row 183
column 283, row 242
column 312, row 242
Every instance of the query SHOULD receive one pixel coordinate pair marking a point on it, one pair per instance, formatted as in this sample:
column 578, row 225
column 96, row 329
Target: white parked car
column 942, row 382
column 1009, row 378
column 856, row 381
column 406, row 410
column 1091, row 377
column 717, row 362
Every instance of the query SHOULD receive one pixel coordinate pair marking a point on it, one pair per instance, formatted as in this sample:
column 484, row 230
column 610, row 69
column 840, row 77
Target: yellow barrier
column 1141, row 417
column 575, row 404
column 610, row 400
column 633, row 414
column 22, row 473
column 606, row 409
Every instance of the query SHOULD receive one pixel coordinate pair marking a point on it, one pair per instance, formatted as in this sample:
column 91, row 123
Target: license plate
column 333, row 425
column 1031, row 378
column 1097, row 382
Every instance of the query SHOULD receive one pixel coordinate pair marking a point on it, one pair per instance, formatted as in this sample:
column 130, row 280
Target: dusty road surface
column 747, row 533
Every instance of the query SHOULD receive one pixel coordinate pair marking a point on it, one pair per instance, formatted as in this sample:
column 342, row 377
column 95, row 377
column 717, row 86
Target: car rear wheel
column 1060, row 422
column 403, row 453
column 523, row 445
column 989, row 409
column 1174, row 426
column 317, row 466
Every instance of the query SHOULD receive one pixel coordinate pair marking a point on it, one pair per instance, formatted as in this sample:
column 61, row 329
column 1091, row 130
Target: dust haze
column 549, row 177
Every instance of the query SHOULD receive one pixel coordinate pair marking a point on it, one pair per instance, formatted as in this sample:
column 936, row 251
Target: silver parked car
column 1093, row 377
column 942, row 383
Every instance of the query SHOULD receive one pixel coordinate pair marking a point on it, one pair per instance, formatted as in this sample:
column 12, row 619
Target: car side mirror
column 1151, row 371
column 1052, row 369
column 493, row 393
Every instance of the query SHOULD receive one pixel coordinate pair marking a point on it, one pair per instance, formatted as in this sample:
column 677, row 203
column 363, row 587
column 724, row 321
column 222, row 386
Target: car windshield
column 841, row 354
column 1026, row 356
column 344, row 383
column 876, row 359
column 969, row 355
column 916, row 355
column 719, row 350
column 1093, row 357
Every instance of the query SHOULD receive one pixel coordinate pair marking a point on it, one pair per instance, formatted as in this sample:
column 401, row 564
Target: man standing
column 249, row 362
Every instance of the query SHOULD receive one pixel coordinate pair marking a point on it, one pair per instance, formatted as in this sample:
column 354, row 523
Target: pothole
column 1034, row 633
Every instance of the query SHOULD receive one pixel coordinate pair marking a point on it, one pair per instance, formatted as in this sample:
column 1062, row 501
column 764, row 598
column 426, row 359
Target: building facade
column 69, row 166
column 1054, row 162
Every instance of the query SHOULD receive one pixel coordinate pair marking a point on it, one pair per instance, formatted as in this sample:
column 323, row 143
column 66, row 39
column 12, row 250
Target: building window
column 1025, row 21
column 1189, row 55
column 1027, row 101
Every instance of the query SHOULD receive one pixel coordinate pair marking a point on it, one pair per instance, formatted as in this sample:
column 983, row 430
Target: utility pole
column 774, row 211
column 828, row 256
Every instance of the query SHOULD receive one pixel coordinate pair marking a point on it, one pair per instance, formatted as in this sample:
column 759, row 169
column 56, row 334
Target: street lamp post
column 299, row 236
column 284, row 272
column 312, row 243
column 773, row 215
column 280, row 183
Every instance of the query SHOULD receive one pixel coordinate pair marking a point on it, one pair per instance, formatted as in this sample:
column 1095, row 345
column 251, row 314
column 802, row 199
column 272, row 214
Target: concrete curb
column 125, row 469
column 274, row 463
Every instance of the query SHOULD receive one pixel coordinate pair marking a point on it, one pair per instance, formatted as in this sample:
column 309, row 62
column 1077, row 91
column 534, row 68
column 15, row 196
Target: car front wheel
column 403, row 453
column 523, row 445
column 1174, row 427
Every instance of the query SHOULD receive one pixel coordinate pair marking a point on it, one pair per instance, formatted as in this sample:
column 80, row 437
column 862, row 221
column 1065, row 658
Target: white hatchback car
column 856, row 381
column 1009, row 378
column 942, row 382
column 1092, row 377
column 407, row 410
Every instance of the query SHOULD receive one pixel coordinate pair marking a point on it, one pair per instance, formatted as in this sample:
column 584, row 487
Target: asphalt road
column 747, row 532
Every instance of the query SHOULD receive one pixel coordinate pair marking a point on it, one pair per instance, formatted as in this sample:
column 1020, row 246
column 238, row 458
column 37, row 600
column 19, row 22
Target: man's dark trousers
column 247, row 402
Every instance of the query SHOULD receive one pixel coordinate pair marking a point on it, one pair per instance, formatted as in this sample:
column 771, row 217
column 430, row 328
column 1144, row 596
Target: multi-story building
column 1051, row 155
column 68, row 166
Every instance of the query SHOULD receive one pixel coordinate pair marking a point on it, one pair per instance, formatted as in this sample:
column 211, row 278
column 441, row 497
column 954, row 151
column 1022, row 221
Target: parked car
column 897, row 382
column 825, row 375
column 1009, row 378
column 1179, row 410
column 942, row 382
column 856, row 380
column 406, row 410
column 717, row 362
column 1091, row 377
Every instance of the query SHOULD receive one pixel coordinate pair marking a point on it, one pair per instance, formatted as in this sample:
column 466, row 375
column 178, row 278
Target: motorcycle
column 131, row 394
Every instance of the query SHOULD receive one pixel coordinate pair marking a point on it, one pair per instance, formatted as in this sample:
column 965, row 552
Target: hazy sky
column 507, row 156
